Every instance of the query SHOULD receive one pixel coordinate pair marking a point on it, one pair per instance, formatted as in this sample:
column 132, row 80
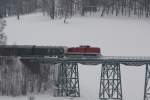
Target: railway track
column 126, row 60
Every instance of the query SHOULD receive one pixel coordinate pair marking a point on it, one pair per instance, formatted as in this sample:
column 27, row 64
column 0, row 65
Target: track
column 126, row 60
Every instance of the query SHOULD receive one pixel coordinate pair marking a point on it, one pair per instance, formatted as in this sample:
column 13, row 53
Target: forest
column 68, row 8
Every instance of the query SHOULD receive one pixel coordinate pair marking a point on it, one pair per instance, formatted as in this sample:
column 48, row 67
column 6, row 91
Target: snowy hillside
column 115, row 36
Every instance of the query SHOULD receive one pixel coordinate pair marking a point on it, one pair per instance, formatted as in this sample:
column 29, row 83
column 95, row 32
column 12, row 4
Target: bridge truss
column 68, row 80
column 147, row 83
column 110, row 82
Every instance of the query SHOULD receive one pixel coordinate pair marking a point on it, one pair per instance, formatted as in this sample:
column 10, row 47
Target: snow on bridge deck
column 126, row 60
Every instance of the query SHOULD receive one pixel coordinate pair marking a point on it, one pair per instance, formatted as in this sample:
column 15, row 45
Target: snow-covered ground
column 115, row 36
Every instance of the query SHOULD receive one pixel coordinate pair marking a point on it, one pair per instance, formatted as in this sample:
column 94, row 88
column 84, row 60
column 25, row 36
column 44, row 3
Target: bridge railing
column 126, row 57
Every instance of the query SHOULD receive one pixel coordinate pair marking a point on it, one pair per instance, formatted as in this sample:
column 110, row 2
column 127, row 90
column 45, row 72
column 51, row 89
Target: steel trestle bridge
column 110, row 81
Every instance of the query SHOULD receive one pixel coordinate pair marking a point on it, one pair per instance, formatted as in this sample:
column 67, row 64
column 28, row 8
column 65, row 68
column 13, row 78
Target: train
column 50, row 51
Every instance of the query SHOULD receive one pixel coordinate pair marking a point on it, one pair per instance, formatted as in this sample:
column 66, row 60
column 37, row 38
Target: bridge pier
column 68, row 80
column 147, row 83
column 110, row 83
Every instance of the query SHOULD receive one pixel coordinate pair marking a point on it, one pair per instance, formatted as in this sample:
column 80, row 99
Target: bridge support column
column 147, row 83
column 68, row 80
column 110, row 83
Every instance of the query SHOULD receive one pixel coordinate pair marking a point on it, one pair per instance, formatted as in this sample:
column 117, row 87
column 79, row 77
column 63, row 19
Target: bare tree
column 48, row 6
column 3, row 37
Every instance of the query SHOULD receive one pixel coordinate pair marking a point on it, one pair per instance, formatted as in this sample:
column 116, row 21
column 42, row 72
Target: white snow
column 115, row 36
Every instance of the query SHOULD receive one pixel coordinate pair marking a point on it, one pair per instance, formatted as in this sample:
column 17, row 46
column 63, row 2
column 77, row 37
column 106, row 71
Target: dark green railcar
column 31, row 50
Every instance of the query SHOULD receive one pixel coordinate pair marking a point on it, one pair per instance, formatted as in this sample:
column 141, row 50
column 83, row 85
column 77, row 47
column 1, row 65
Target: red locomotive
column 84, row 50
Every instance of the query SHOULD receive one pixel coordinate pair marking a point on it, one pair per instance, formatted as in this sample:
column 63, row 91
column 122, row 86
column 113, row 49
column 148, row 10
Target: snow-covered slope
column 115, row 36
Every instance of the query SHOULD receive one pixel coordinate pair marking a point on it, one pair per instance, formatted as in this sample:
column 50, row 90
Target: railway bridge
column 110, row 81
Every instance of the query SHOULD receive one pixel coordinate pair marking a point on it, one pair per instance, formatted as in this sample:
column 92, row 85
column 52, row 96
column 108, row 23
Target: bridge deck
column 126, row 60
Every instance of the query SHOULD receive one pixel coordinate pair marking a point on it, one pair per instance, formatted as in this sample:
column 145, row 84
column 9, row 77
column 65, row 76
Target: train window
column 48, row 50
column 61, row 50
column 53, row 51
